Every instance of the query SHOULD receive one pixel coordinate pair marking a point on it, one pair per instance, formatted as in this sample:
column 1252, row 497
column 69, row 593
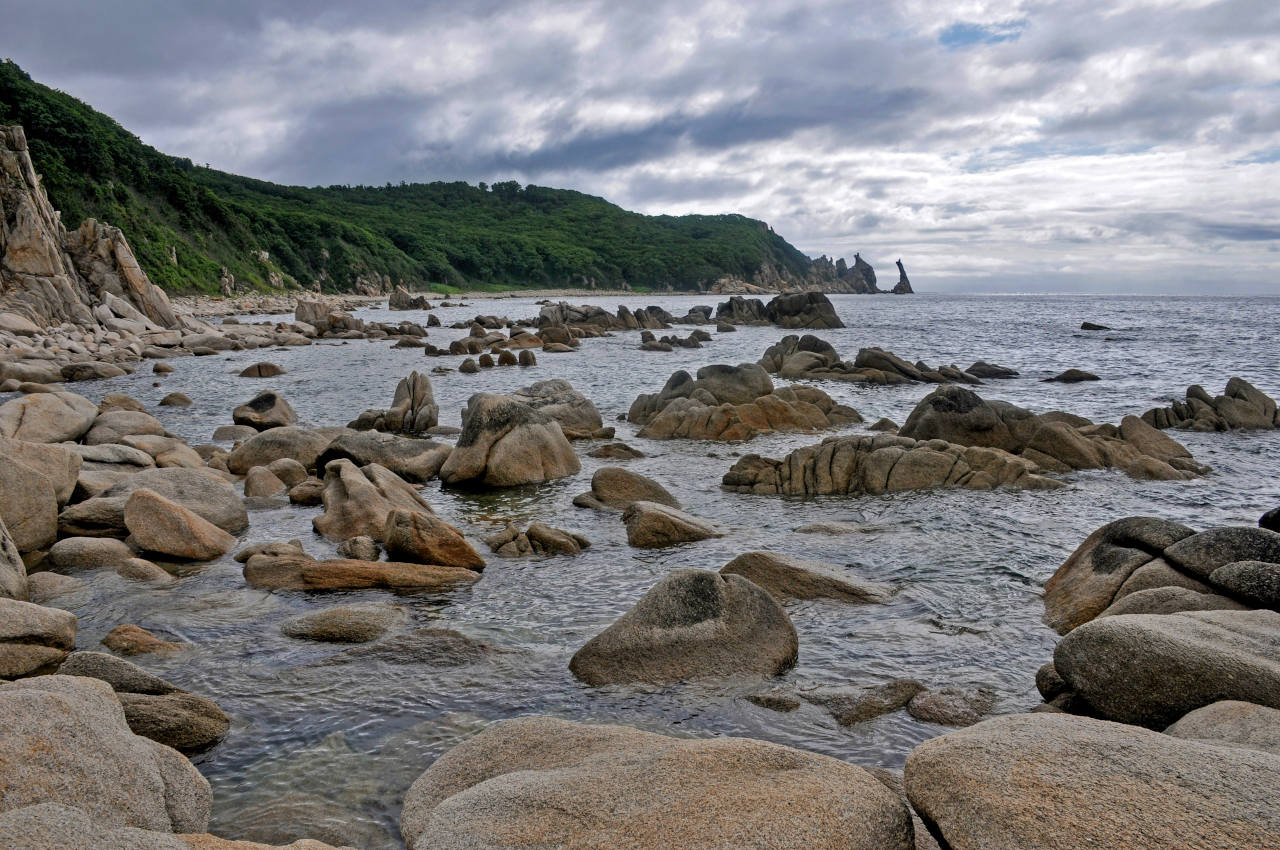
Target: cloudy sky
column 995, row 145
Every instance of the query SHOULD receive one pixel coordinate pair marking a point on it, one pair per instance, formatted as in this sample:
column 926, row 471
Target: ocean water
column 328, row 750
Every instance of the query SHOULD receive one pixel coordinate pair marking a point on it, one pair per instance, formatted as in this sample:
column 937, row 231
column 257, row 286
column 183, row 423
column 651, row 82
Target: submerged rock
column 285, row 572
column 692, row 624
column 545, row 781
column 345, row 624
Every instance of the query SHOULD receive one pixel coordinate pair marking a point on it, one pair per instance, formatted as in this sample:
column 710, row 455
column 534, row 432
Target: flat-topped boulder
column 550, row 782
column 1241, row 406
column 734, row 403
column 413, row 459
column 787, row 577
column 692, row 624
column 299, row 572
column 1053, row 781
column 505, row 443
column 882, row 463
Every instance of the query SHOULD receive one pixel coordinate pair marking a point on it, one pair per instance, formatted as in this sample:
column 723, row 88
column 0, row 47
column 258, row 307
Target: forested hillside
column 187, row 223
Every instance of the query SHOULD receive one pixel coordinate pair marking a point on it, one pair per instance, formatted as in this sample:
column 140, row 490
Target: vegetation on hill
column 446, row 234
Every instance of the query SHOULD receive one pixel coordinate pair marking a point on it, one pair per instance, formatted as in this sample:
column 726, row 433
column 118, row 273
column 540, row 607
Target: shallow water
column 328, row 751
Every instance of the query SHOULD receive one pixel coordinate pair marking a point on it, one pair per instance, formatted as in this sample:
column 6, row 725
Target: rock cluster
column 413, row 409
column 733, row 403
column 537, row 539
column 402, row 299
column 795, row 310
column 809, row 357
column 1242, row 406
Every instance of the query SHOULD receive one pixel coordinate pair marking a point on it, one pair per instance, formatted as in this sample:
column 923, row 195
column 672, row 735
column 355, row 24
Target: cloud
column 991, row 143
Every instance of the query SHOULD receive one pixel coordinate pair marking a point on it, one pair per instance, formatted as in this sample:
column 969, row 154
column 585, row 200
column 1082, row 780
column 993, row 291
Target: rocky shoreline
column 1160, row 724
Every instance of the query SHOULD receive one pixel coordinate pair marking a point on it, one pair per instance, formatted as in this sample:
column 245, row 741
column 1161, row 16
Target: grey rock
column 795, row 578
column 850, row 705
column 345, row 624
column 1256, row 582
column 1232, row 723
column 1203, row 553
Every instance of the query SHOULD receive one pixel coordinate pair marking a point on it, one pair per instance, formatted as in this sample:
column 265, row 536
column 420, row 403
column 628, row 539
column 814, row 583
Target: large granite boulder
column 1087, row 582
column 1151, row 669
column 33, row 639
column 539, row 781
column 692, row 624
column 28, row 505
column 505, row 444
column 200, row 491
column 1053, row 782
column 344, row 624
column 557, row 398
column 787, row 577
column 47, row 417
column 357, row 500
column 67, row 741
column 1202, row 554
column 1242, row 406
column 112, row 426
column 733, row 403
column 58, row 463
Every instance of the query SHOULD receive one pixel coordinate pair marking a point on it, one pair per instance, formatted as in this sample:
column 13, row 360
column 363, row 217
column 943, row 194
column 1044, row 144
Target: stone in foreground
column 692, row 624
column 1057, row 782
column 544, row 782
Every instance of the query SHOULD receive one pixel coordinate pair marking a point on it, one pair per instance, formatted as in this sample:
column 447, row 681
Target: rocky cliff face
column 836, row 277
column 48, row 276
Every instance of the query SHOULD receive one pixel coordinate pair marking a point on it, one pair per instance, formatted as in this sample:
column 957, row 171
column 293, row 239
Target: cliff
column 88, row 277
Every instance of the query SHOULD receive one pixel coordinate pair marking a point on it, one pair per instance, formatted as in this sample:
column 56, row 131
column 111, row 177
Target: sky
column 1119, row 146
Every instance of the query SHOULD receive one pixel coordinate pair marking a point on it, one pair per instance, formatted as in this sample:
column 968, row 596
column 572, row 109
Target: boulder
column 176, row 400
column 1256, row 582
column 1201, row 554
column 129, row 639
column 615, row 451
column 651, row 525
column 113, row 425
column 360, row 548
column 57, row 463
column 1053, row 781
column 200, row 491
column 262, row 370
column 1073, row 376
column 13, row 572
column 810, row 310
column 539, row 781
column 233, row 433
column 988, row 371
column 1151, row 669
column 412, row 459
column 357, row 500
column 505, row 443
column 413, row 409
column 123, row 676
column 264, row 411
column 1088, row 581
column 419, row 537
column 28, row 505
column 692, row 624
column 557, row 398
column 186, row 722
column 344, row 624
column 952, row 706
column 856, row 704
column 262, row 483
column 89, row 758
column 1241, row 406
column 303, row 445
column 613, row 487
column 72, row 554
column 795, row 578
column 33, row 639
column 47, row 417
column 157, row 524
column 1232, row 723
column 289, row 471
column 293, row 572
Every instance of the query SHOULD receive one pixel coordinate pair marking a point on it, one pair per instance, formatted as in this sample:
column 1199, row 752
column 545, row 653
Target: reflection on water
column 328, row 751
